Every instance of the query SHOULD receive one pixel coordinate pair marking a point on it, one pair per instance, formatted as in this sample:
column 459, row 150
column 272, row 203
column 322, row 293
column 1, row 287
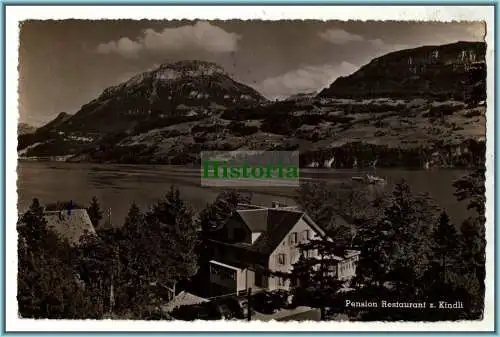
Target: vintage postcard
column 273, row 173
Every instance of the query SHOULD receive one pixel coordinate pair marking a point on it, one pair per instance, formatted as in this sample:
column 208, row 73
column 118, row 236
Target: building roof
column 255, row 219
column 274, row 224
column 70, row 225
column 279, row 223
column 183, row 298
column 235, row 266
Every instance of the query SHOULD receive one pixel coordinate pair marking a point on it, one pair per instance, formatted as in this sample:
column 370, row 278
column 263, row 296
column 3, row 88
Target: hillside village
column 418, row 108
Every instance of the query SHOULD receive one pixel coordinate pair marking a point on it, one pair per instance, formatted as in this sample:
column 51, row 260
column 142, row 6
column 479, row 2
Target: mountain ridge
column 448, row 71
column 363, row 118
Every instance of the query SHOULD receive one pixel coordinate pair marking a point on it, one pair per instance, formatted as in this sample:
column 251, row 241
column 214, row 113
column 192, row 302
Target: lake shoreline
column 326, row 169
column 117, row 186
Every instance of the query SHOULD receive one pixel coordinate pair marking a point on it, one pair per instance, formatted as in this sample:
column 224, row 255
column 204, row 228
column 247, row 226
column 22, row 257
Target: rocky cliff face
column 454, row 71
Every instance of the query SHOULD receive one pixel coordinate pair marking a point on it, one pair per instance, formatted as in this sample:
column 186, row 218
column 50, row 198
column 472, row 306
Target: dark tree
column 110, row 264
column 473, row 230
column 472, row 189
column 63, row 206
column 326, row 203
column 217, row 213
column 134, row 218
column 315, row 274
column 95, row 213
column 47, row 284
column 445, row 244
column 315, row 199
column 172, row 223
column 397, row 246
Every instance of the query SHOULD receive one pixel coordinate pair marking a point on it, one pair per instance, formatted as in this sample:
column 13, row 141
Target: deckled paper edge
column 16, row 14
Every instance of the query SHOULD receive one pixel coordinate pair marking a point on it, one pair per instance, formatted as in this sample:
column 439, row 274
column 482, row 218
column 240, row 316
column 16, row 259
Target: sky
column 65, row 64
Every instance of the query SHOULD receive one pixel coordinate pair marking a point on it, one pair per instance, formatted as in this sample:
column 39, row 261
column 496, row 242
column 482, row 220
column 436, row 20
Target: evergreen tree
column 472, row 238
column 32, row 226
column 62, row 206
column 133, row 219
column 445, row 244
column 217, row 213
column 112, row 264
column 95, row 213
column 316, row 200
column 324, row 203
column 397, row 245
column 47, row 285
column 174, row 237
column 315, row 273
column 472, row 189
column 134, row 293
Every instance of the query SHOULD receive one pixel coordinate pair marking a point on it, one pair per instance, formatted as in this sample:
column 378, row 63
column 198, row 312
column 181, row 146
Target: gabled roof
column 255, row 219
column 279, row 223
column 273, row 224
column 70, row 225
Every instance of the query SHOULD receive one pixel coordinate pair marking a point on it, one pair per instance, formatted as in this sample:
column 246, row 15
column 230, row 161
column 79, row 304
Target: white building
column 257, row 242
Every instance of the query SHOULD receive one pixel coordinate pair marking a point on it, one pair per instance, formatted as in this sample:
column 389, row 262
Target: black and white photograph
column 387, row 219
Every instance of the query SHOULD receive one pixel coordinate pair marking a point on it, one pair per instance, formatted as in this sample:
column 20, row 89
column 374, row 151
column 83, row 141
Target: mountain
column 185, row 88
column 453, row 71
column 56, row 123
column 180, row 91
column 302, row 96
column 24, row 128
column 171, row 114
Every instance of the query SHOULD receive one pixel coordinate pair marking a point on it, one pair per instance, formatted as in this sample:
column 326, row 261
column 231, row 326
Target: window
column 223, row 273
column 304, row 236
column 293, row 238
column 307, row 235
column 281, row 281
column 281, row 259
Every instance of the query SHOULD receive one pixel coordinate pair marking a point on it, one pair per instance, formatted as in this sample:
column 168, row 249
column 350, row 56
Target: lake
column 117, row 186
